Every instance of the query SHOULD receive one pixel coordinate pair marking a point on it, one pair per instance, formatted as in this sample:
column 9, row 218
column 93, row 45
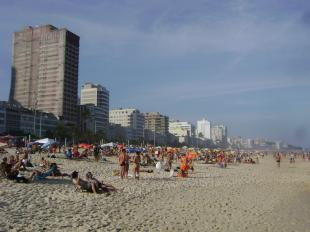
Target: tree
column 200, row 135
column 61, row 131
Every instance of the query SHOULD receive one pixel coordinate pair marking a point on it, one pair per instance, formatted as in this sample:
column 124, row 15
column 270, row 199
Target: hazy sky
column 242, row 63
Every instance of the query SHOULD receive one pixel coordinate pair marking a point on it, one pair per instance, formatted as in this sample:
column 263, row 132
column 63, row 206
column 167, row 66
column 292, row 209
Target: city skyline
column 241, row 64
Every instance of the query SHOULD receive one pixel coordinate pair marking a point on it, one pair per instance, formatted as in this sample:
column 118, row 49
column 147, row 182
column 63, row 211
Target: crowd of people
column 12, row 167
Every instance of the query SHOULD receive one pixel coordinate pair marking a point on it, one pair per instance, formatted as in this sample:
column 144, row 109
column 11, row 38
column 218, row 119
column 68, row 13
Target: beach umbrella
column 192, row 155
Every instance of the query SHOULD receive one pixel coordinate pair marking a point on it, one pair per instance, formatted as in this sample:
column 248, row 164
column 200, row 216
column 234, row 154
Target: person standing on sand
column 97, row 152
column 169, row 159
column 136, row 169
column 124, row 164
column 278, row 159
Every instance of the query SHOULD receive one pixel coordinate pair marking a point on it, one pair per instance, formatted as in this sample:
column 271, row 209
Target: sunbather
column 52, row 171
column 99, row 184
column 81, row 184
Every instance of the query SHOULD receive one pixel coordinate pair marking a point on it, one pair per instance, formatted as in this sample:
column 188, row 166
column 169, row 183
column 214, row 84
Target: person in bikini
column 136, row 169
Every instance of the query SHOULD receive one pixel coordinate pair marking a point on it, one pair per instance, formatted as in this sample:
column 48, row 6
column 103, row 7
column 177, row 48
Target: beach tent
column 3, row 145
column 44, row 141
column 48, row 144
column 109, row 145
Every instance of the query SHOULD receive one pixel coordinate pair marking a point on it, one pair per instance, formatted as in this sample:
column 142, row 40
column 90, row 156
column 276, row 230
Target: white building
column 131, row 119
column 98, row 96
column 219, row 133
column 184, row 131
column 204, row 129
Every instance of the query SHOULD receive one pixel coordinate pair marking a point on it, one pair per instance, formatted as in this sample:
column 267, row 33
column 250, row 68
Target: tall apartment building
column 204, row 129
column 45, row 70
column 219, row 134
column 131, row 119
column 156, row 127
column 156, row 122
column 96, row 97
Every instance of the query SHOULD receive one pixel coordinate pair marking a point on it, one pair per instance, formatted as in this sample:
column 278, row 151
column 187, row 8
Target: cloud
column 191, row 90
column 175, row 51
column 165, row 29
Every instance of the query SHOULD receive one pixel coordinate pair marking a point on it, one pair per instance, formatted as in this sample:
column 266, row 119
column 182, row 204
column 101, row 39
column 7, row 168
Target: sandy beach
column 245, row 197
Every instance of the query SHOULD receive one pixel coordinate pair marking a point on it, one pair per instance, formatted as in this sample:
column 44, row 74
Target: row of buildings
column 44, row 91
column 258, row 144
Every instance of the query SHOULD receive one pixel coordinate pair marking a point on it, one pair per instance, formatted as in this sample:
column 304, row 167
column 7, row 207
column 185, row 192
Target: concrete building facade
column 219, row 134
column 96, row 99
column 131, row 119
column 184, row 131
column 92, row 118
column 156, row 127
column 45, row 70
column 16, row 119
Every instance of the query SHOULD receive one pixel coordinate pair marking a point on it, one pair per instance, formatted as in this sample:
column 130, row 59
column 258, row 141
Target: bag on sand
column 158, row 166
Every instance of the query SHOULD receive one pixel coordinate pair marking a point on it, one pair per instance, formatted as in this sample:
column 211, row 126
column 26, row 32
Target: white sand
column 240, row 198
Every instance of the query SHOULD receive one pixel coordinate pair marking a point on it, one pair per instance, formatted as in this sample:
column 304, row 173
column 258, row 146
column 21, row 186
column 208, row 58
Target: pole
column 34, row 121
column 34, row 118
column 154, row 135
column 143, row 137
column 41, row 124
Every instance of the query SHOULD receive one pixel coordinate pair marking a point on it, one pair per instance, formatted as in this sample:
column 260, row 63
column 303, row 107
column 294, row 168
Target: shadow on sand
column 56, row 181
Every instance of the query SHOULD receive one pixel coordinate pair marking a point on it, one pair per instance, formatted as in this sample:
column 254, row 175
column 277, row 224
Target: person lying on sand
column 81, row 184
column 99, row 184
column 52, row 171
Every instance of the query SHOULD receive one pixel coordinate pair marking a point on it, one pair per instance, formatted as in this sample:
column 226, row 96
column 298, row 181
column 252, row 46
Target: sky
column 241, row 63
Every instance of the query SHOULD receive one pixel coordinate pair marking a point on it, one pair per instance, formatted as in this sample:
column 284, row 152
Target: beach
column 243, row 197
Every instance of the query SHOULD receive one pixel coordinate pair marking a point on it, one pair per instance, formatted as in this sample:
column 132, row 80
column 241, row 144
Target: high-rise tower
column 45, row 70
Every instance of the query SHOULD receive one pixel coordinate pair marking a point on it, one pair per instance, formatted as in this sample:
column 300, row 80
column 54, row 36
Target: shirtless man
column 123, row 163
column 136, row 169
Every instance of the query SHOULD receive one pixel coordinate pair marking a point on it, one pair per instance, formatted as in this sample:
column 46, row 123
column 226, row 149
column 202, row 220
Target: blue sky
column 241, row 63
